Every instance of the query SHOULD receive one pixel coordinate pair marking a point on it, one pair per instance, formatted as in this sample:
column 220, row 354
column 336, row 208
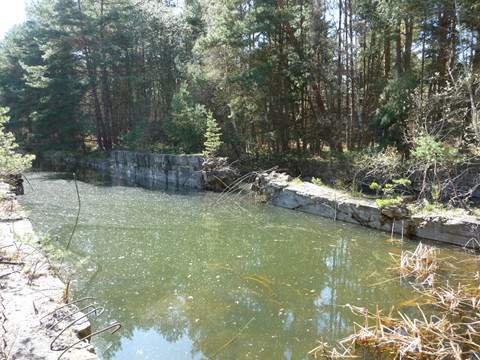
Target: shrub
column 375, row 186
column 135, row 138
column 431, row 151
column 297, row 181
column 378, row 166
column 395, row 201
column 392, row 192
column 435, row 164
column 317, row 181
column 11, row 162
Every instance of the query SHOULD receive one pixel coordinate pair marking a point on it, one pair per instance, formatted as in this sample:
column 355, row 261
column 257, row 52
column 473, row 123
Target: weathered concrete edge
column 150, row 170
column 39, row 289
column 153, row 170
column 329, row 203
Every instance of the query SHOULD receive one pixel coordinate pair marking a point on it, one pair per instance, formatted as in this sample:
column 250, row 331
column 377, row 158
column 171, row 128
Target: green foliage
column 436, row 192
column 432, row 207
column 296, row 181
column 375, row 186
column 339, row 184
column 396, row 185
column 390, row 117
column 212, row 137
column 392, row 191
column 11, row 162
column 429, row 207
column 135, row 138
column 187, row 124
column 429, row 150
column 109, row 72
column 41, row 82
column 392, row 201
column 317, row 181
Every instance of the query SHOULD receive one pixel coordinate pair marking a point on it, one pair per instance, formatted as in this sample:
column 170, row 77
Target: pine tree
column 186, row 125
column 212, row 137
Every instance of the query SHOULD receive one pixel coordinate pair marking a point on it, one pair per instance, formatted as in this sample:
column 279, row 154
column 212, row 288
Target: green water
column 197, row 276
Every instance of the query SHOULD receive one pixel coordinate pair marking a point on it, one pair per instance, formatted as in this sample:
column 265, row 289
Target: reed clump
column 453, row 333
column 421, row 264
column 447, row 326
column 462, row 301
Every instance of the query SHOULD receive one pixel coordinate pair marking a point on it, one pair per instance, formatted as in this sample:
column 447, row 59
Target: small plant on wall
column 317, row 181
column 392, row 192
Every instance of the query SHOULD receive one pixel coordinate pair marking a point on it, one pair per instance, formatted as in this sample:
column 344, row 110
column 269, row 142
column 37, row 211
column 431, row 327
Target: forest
column 274, row 78
column 237, row 179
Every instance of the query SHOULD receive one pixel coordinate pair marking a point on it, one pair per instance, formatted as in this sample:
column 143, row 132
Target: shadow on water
column 106, row 179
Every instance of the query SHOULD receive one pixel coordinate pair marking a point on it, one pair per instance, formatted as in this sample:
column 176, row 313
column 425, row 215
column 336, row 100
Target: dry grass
column 444, row 336
column 462, row 301
column 450, row 331
column 421, row 264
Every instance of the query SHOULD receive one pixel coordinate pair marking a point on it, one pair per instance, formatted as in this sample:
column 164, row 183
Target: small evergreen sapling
column 212, row 137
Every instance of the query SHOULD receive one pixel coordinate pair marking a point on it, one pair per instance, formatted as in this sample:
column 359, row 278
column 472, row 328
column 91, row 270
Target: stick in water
column 78, row 212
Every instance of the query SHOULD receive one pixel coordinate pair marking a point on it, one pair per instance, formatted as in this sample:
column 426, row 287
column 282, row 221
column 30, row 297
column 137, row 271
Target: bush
column 317, row 181
column 378, row 166
column 296, row 181
column 432, row 152
column 392, row 192
column 435, row 164
column 395, row 201
column 11, row 162
column 135, row 138
column 395, row 107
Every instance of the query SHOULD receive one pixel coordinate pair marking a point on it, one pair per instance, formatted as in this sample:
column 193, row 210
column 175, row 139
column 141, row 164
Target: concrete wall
column 462, row 230
column 150, row 170
column 154, row 170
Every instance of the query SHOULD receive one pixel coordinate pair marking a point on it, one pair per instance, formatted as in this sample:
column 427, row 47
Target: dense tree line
column 279, row 75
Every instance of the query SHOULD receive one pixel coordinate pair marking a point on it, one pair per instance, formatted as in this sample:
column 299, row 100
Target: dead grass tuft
column 451, row 330
column 421, row 264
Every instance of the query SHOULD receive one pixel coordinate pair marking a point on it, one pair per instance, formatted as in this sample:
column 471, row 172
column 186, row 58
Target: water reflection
column 189, row 278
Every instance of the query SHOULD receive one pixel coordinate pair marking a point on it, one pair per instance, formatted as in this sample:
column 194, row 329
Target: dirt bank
column 30, row 293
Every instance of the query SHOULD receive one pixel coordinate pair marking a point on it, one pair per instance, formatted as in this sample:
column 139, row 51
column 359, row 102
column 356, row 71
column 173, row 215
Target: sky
column 11, row 12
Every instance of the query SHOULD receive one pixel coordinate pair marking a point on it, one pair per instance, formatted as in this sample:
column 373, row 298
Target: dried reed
column 434, row 337
column 452, row 332
column 421, row 264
